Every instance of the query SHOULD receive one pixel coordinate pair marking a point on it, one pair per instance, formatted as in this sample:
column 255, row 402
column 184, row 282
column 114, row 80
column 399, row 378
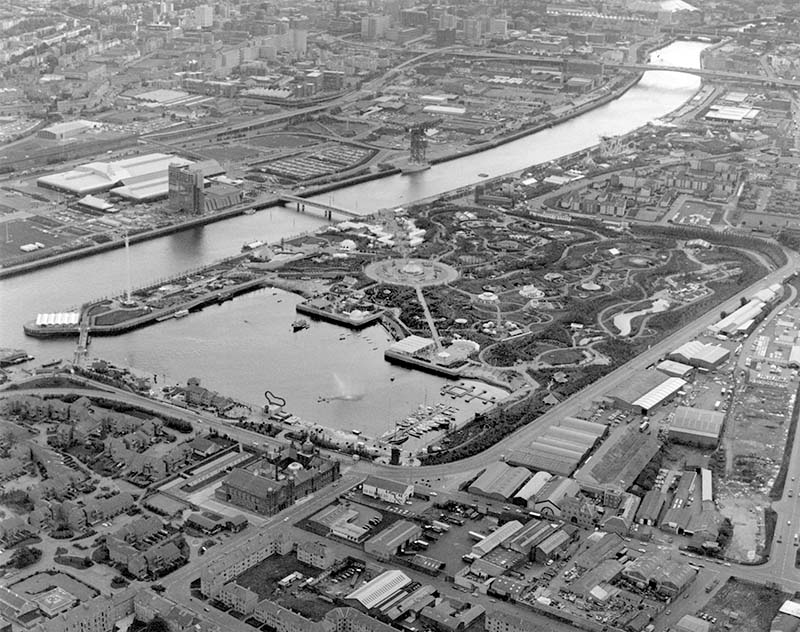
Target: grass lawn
column 563, row 356
column 264, row 577
column 119, row 316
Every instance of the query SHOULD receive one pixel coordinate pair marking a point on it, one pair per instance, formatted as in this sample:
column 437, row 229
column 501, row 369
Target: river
column 245, row 358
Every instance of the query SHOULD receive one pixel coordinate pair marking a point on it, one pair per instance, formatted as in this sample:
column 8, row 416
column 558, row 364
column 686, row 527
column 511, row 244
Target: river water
column 246, row 346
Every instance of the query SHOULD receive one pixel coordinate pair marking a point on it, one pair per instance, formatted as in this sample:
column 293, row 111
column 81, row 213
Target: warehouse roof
column 380, row 589
column 652, row 505
column 631, row 390
column 696, row 421
column 744, row 314
column 676, row 369
column 411, row 344
column 532, row 487
column 553, row 542
column 701, row 352
column 385, row 483
column 494, row 539
column 399, row 533
column 656, row 395
column 103, row 176
column 500, row 479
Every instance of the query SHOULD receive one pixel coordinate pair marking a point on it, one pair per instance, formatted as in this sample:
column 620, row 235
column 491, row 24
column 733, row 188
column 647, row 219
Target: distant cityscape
column 385, row 315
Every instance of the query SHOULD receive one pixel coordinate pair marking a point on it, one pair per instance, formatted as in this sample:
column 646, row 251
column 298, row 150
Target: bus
column 644, row 426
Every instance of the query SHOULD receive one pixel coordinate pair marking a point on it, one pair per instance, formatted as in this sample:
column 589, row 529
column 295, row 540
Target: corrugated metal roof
column 380, row 589
column 652, row 398
column 707, row 423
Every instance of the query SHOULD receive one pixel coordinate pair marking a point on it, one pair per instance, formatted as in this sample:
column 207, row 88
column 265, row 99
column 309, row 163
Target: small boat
column 299, row 324
column 164, row 317
column 47, row 365
column 181, row 313
column 356, row 432
column 253, row 245
column 411, row 168
column 249, row 211
column 398, row 440
column 483, row 175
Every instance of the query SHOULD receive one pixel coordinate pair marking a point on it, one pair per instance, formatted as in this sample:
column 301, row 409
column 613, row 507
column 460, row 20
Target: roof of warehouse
column 539, row 459
column 672, row 367
column 697, row 421
column 644, row 382
column 387, row 484
column 532, row 487
column 102, row 176
column 396, row 535
column 655, row 396
column 380, row 589
column 697, row 350
column 411, row 344
column 500, row 478
column 581, row 425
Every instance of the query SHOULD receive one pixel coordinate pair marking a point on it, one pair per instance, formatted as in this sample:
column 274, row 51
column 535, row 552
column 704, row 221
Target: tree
column 157, row 624
column 25, row 556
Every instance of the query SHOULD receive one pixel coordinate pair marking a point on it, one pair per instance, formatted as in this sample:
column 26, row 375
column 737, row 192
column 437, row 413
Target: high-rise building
column 186, row 189
column 499, row 27
column 472, row 31
column 374, row 27
column 204, row 16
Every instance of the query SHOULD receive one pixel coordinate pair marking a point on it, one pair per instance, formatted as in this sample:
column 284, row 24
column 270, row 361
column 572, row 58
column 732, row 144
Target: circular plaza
column 414, row 272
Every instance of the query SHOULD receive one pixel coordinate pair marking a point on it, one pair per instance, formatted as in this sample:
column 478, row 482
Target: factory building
column 667, row 576
column 526, row 496
column 68, row 129
column 500, row 481
column 743, row 320
column 700, row 355
column 675, row 369
column 561, row 448
column 642, row 395
column 694, row 426
column 386, row 490
column 549, row 499
column 389, row 541
column 497, row 537
column 651, row 507
column 379, row 590
column 141, row 177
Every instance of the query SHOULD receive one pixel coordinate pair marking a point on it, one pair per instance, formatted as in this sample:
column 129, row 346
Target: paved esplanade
column 411, row 272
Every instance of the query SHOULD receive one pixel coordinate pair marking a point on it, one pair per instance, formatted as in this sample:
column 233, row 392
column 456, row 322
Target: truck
column 441, row 525
column 476, row 536
column 712, row 585
column 644, row 426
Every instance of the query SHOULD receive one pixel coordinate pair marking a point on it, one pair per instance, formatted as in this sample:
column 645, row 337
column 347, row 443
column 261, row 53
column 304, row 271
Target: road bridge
column 559, row 63
column 723, row 75
column 327, row 209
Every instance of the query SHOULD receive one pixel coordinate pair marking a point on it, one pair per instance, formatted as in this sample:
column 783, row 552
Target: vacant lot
column 746, row 606
column 263, row 579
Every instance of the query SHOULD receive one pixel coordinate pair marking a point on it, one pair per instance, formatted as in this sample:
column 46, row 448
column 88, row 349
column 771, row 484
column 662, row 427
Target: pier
column 458, row 391
column 338, row 319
